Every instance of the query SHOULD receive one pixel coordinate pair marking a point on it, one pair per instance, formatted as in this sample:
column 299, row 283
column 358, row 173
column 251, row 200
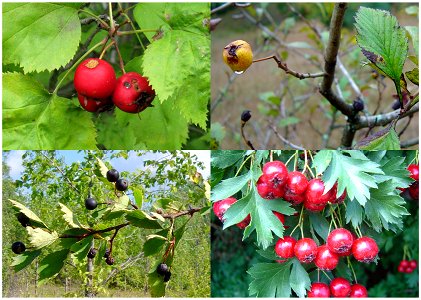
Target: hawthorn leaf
column 102, row 167
column 385, row 139
column 111, row 136
column 40, row 36
column 354, row 213
column 394, row 170
column 414, row 34
column 141, row 219
column 413, row 76
column 34, row 119
column 353, row 174
column 39, row 238
column 138, row 194
column 81, row 248
column 51, row 265
column 270, row 280
column 299, row 279
column 69, row 217
column 23, row 260
column 322, row 160
column 386, row 208
column 224, row 158
column 37, row 222
column 228, row 187
column 382, row 40
column 156, row 284
column 154, row 245
column 319, row 224
column 269, row 254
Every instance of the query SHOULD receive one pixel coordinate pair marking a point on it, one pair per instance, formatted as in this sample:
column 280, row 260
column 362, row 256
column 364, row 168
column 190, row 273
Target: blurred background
column 294, row 106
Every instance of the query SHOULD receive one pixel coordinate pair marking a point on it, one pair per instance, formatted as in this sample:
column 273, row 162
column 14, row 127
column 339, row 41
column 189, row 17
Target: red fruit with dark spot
column 276, row 172
column 414, row 190
column 95, row 78
column 365, row 249
column 340, row 287
column 92, row 105
column 314, row 207
column 340, row 240
column 326, row 259
column 414, row 170
column 314, row 193
column 305, row 250
column 285, row 247
column 358, row 291
column 268, row 189
column 296, row 183
column 294, row 199
column 319, row 290
column 220, row 207
column 133, row 93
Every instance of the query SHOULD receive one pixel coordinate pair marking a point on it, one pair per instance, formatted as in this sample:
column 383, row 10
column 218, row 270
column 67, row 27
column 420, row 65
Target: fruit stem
column 131, row 24
column 357, row 229
column 264, row 58
column 333, row 219
column 110, row 11
column 305, row 162
column 326, row 275
column 352, row 269
column 295, row 160
column 289, row 159
column 95, row 17
column 135, row 31
column 239, row 169
column 332, row 210
column 105, row 49
column 76, row 64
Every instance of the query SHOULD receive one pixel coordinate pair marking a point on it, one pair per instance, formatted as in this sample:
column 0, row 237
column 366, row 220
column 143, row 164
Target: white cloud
column 14, row 161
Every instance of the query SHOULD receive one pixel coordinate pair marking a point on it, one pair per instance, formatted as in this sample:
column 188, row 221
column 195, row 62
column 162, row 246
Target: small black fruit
column 162, row 269
column 358, row 104
column 109, row 260
column 90, row 203
column 167, row 276
column 107, row 253
column 18, row 247
column 92, row 253
column 245, row 116
column 121, row 184
column 112, row 175
column 396, row 105
column 23, row 219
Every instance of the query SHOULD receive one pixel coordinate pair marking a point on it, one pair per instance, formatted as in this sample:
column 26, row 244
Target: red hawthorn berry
column 319, row 290
column 244, row 223
column 408, row 270
column 340, row 240
column 296, row 183
column 276, row 172
column 414, row 190
column 314, row 193
column 305, row 250
column 313, row 207
column 401, row 269
column 414, row 170
column 294, row 199
column 220, row 207
column 95, row 78
column 358, row 291
column 413, row 264
column 404, row 263
column 284, row 247
column 340, row 287
column 365, row 249
column 326, row 259
column 267, row 189
column 92, row 105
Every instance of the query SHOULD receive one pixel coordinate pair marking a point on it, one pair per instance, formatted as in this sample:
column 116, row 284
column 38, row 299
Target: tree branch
column 409, row 143
column 293, row 146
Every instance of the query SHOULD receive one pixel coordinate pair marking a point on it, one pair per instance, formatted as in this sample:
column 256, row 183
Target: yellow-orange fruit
column 238, row 55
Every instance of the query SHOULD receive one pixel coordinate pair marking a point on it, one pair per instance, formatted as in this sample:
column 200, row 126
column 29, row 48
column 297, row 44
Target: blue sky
column 14, row 160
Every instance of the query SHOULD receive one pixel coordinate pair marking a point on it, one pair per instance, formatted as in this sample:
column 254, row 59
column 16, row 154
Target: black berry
column 90, row 203
column 121, row 184
column 23, row 219
column 109, row 260
column 358, row 104
column 162, row 269
column 92, row 253
column 245, row 116
column 396, row 105
column 112, row 175
column 107, row 253
column 18, row 247
column 167, row 276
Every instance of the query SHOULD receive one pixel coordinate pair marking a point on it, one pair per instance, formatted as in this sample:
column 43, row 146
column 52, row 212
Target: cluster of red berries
column 407, row 266
column 294, row 187
column 340, row 242
column 413, row 189
column 339, row 287
column 98, row 88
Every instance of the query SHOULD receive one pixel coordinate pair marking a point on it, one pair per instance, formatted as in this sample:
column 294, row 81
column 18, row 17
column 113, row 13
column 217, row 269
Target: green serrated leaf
column 102, row 167
column 299, row 279
column 81, row 248
column 394, row 169
column 138, row 196
column 40, row 36
column 224, row 158
column 23, row 260
column 69, row 217
column 414, row 34
column 143, row 220
column 27, row 212
column 322, row 160
column 382, row 40
column 40, row 238
column 413, row 76
column 155, row 244
column 51, row 265
column 270, row 280
column 228, row 187
column 385, row 207
column 354, row 213
column 34, row 119
column 320, row 225
column 385, row 139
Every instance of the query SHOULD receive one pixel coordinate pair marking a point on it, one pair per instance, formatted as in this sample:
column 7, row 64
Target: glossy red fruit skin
column 358, row 291
column 319, row 290
column 365, row 249
column 276, row 172
column 133, row 93
column 401, row 269
column 326, row 259
column 348, row 253
column 267, row 189
column 414, row 191
column 314, row 207
column 340, row 287
column 95, row 78
column 244, row 223
column 314, row 193
column 414, row 170
column 340, row 199
column 404, row 263
column 92, row 105
column 294, row 199
column 305, row 250
column 413, row 264
column 340, row 240
column 220, row 207
column 285, row 247
column 296, row 183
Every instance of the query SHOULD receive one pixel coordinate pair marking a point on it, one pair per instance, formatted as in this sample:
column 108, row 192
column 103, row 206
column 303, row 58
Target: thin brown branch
column 190, row 212
column 92, row 232
column 246, row 141
column 293, row 146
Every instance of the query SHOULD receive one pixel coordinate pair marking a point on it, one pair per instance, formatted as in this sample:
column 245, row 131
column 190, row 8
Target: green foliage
column 168, row 43
column 374, row 207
